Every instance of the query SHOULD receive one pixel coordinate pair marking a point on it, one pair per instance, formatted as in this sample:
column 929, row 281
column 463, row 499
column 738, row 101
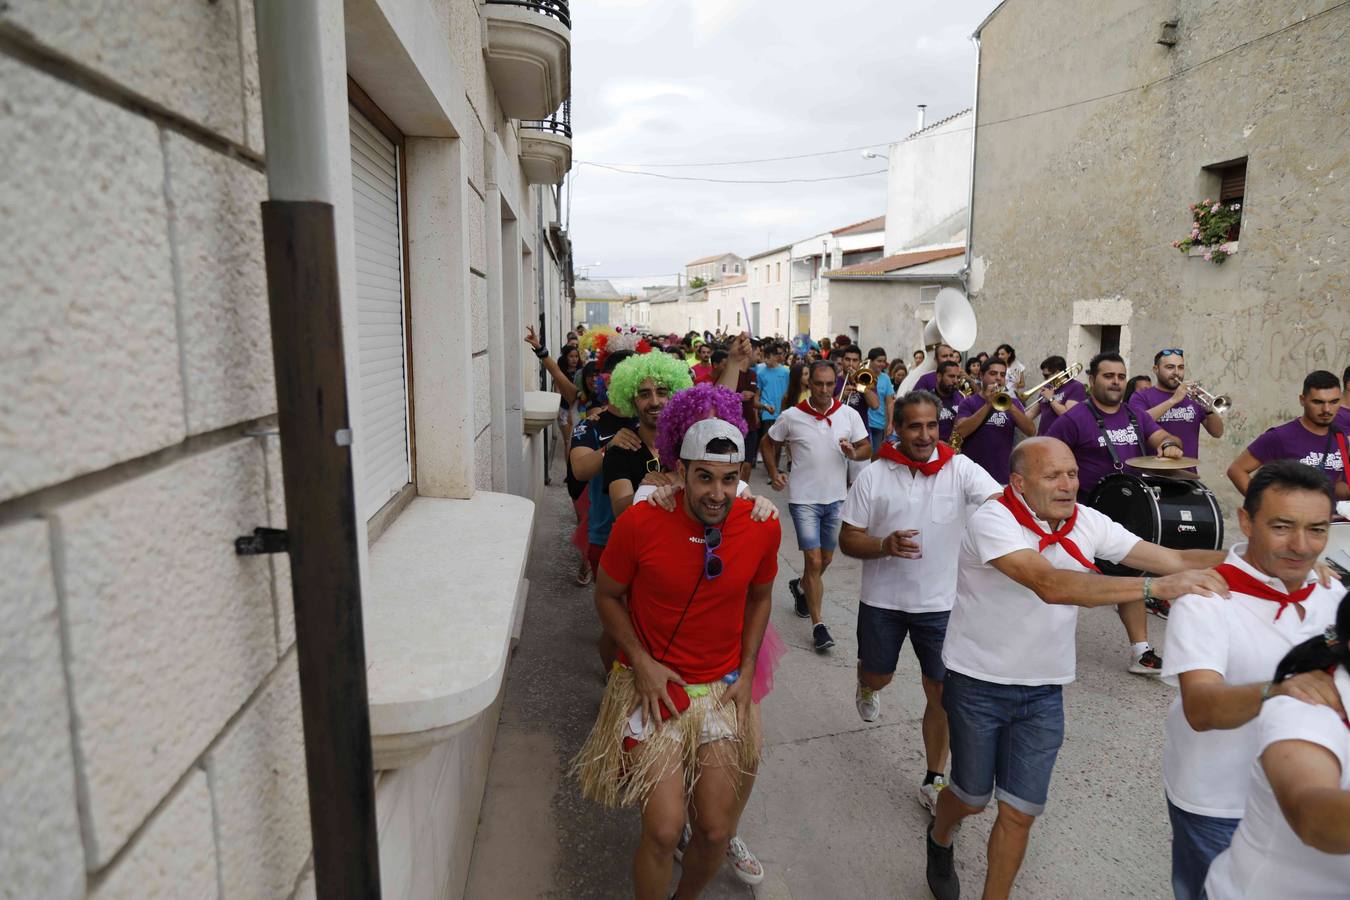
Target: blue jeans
column 1196, row 840
column 817, row 524
column 1004, row 735
column 881, row 634
column 877, row 435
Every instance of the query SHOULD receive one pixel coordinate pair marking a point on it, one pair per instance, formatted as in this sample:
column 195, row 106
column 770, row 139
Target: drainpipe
column 974, row 139
column 300, row 242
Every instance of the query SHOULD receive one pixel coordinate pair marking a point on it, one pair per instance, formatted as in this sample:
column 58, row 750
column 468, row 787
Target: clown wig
column 703, row 401
column 629, row 375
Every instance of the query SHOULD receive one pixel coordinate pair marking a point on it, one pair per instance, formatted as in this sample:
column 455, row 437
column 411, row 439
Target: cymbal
column 1162, row 463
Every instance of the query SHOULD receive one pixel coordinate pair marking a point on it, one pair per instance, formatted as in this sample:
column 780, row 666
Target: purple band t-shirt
column 947, row 414
column 990, row 445
column 1342, row 420
column 1181, row 421
column 927, row 382
column 1078, row 428
column 1073, row 390
column 1293, row 441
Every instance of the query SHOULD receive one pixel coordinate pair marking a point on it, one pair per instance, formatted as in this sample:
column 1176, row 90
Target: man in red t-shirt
column 698, row 581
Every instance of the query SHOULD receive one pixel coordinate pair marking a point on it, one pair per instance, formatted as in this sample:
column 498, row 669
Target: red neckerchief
column 806, row 407
column 1048, row 538
column 1243, row 583
column 932, row 467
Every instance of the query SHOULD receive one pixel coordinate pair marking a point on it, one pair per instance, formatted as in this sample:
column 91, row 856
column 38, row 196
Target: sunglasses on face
column 712, row 563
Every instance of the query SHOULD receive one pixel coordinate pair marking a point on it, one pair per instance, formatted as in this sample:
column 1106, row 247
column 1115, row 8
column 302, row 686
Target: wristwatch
column 541, row 351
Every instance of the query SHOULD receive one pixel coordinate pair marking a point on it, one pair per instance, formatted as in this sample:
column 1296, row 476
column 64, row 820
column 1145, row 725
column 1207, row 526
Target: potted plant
column 1212, row 224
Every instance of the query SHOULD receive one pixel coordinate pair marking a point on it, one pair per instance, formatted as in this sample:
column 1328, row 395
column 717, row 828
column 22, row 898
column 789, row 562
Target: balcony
column 529, row 55
column 546, row 147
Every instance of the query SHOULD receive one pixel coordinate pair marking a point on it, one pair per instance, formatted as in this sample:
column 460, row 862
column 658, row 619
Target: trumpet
column 1220, row 404
column 1002, row 401
column 967, row 386
column 863, row 379
column 1032, row 395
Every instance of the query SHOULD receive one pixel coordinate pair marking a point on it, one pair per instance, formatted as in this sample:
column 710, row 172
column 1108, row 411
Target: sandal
column 583, row 578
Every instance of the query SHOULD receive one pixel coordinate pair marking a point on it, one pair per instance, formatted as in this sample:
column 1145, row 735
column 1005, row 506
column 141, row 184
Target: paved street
column 834, row 812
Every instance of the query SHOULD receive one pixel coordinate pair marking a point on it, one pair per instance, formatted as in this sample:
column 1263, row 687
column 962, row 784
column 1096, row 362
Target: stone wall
column 1079, row 199
column 150, row 737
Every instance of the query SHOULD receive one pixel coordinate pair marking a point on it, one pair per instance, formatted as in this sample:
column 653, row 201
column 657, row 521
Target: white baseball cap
column 694, row 447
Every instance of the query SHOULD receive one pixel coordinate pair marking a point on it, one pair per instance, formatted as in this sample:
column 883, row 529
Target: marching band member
column 904, row 518
column 1172, row 405
column 1312, row 438
column 948, row 377
column 1222, row 653
column 987, row 433
column 1024, row 568
column 1055, row 402
column 928, row 381
column 1102, row 433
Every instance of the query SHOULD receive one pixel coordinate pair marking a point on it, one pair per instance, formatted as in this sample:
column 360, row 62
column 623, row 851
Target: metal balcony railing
column 555, row 9
column 560, row 123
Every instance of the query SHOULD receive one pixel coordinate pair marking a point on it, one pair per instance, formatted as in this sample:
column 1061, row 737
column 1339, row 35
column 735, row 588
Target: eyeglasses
column 1171, row 351
column 712, row 563
column 653, row 465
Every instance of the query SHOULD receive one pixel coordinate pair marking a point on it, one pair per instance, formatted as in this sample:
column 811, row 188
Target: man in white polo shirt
column 1024, row 569
column 904, row 517
column 1223, row 654
column 823, row 436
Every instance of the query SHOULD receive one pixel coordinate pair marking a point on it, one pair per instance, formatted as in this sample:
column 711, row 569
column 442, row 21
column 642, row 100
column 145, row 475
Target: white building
column 709, row 269
column 151, row 736
column 768, row 290
column 811, row 258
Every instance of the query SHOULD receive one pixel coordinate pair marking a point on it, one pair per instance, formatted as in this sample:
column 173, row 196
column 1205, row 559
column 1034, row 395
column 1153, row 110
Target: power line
column 735, row 180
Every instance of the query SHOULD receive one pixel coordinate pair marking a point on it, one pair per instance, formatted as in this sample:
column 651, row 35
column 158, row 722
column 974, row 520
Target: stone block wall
column 150, row 734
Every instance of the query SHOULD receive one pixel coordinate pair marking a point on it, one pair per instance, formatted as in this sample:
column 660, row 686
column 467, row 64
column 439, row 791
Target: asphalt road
column 834, row 813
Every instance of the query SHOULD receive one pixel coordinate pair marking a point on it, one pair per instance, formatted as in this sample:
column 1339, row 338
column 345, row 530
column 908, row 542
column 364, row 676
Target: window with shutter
column 380, row 298
column 1232, row 188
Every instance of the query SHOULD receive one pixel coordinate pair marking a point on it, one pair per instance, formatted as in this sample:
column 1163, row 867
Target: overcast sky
column 656, row 82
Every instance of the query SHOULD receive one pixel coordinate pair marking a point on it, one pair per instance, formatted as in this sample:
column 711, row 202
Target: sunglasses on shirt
column 712, row 563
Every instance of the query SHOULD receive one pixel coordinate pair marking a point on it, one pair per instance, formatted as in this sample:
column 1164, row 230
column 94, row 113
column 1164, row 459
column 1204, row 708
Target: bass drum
column 1177, row 513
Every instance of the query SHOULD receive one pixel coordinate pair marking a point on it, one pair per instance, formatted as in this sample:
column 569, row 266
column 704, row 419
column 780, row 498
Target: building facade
column 709, row 269
column 1089, row 153
column 151, row 734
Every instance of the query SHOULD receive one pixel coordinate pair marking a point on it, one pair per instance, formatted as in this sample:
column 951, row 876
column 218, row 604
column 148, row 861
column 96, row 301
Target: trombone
column 861, row 380
column 1032, row 395
column 1220, row 404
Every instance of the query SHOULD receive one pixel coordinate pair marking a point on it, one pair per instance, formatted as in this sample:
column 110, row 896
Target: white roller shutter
column 383, row 430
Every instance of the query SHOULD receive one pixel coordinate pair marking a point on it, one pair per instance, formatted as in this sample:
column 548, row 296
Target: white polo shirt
column 888, row 497
column 1205, row 772
column 819, row 470
column 1003, row 632
column 1267, row 859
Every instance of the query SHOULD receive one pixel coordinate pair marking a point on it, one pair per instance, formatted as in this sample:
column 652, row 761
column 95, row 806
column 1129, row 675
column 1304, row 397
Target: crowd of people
column 974, row 503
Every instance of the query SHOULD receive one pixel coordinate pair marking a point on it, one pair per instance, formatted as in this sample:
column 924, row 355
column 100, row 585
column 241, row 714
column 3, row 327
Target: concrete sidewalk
column 834, row 813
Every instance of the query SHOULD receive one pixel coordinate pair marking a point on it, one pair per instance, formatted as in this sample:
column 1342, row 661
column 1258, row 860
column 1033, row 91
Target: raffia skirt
column 611, row 776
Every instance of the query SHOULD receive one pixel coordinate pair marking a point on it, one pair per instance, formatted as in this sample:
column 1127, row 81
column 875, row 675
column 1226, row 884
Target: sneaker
column 685, row 837
column 1158, row 607
column 928, row 794
column 1148, row 663
column 743, row 862
column 869, row 703
column 942, row 880
column 799, row 598
column 822, row 636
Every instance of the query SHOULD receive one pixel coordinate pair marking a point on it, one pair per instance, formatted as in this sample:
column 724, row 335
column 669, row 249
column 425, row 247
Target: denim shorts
column 881, row 634
column 817, row 524
column 1003, row 736
column 1196, row 841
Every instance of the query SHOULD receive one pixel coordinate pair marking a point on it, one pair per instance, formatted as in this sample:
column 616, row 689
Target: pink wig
column 689, row 406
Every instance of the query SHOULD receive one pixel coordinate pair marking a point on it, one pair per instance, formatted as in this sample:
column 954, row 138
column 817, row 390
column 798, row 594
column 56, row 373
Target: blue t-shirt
column 876, row 418
column 773, row 382
column 595, row 435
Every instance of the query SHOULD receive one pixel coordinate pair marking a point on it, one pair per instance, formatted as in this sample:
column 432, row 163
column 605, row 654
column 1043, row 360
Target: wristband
column 1169, row 443
column 1148, row 588
column 1265, row 691
column 541, row 351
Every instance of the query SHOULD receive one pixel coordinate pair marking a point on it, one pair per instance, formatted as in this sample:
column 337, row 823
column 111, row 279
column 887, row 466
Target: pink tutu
column 771, row 650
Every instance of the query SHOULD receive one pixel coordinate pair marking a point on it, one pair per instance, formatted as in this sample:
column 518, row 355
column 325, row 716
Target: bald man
column 1024, row 569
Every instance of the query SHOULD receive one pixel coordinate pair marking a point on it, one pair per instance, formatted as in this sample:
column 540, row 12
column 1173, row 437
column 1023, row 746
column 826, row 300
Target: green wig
column 628, row 376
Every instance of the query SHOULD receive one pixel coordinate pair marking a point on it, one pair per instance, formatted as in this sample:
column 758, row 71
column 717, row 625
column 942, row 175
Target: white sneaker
column 928, row 794
column 743, row 862
column 869, row 703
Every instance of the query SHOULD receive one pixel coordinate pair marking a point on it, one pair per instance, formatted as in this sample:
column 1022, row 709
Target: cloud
column 699, row 81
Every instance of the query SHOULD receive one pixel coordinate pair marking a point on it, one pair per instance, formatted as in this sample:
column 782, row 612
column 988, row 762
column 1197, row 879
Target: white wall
column 928, row 184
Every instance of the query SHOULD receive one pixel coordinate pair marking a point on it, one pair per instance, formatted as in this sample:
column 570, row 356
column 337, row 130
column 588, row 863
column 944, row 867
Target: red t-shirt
column 659, row 555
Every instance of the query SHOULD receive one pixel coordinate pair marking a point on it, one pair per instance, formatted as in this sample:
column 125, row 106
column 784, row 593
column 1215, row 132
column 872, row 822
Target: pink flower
column 1208, row 256
column 1176, row 243
column 1206, row 202
column 1226, row 248
column 1214, row 208
column 1195, row 232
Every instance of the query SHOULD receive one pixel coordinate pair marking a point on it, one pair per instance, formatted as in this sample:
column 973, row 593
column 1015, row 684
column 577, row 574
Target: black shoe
column 1158, row 607
column 799, row 598
column 822, row 636
column 942, row 880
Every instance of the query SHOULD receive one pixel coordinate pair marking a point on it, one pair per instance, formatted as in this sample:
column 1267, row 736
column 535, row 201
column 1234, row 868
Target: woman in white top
column 1294, row 840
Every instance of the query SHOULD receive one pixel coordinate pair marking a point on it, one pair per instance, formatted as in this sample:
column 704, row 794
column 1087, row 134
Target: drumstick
column 749, row 328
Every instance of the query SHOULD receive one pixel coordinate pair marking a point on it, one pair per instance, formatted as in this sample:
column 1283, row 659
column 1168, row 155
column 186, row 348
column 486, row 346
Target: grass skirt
column 611, row 777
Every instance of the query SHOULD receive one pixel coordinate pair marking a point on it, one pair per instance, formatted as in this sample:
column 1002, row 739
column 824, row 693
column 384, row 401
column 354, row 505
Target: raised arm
column 560, row 380
column 1068, row 588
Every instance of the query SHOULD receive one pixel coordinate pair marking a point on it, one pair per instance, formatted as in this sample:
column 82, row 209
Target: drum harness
column 1111, row 447
column 1334, row 434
